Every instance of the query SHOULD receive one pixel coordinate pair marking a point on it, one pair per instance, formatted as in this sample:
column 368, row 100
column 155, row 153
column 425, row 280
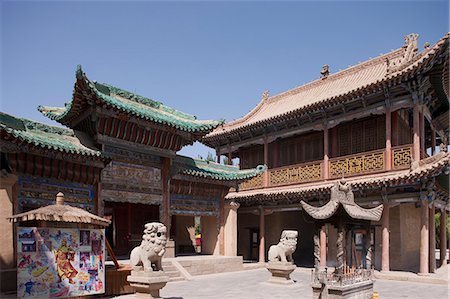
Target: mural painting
column 60, row 262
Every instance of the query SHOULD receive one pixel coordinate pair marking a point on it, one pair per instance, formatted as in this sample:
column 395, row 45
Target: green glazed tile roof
column 212, row 170
column 43, row 136
column 127, row 102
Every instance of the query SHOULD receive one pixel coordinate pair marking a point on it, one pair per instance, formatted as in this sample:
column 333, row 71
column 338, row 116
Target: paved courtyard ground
column 252, row 284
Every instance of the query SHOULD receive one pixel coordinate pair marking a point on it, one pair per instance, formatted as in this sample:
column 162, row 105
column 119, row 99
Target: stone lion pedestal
column 281, row 264
column 281, row 272
column 147, row 283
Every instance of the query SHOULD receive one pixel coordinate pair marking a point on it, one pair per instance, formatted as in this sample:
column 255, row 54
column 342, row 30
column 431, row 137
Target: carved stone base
column 359, row 290
column 281, row 272
column 147, row 284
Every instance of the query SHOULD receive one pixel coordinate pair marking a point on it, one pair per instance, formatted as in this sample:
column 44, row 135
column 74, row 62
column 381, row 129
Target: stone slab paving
column 252, row 284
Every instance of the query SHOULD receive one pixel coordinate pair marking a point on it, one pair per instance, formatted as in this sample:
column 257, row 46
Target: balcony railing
column 300, row 173
column 401, row 156
column 254, row 183
column 352, row 165
column 367, row 162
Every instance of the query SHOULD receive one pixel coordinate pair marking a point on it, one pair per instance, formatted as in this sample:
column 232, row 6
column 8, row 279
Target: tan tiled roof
column 428, row 167
column 323, row 91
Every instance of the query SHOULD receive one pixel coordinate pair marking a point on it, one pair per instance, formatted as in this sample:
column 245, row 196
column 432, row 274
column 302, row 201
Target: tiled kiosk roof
column 87, row 92
column 426, row 168
column 24, row 132
column 335, row 88
column 214, row 171
column 60, row 212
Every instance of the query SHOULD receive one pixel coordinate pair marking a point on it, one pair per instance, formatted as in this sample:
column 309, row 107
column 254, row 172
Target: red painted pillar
column 325, row 153
column 323, row 247
column 388, row 139
column 424, row 239
column 432, row 226
column 416, row 133
column 385, row 238
column 262, row 248
column 443, row 237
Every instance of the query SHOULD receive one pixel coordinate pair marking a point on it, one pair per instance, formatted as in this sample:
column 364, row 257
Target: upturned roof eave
column 162, row 115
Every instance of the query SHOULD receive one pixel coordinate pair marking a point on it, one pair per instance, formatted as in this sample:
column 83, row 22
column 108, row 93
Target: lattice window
column 370, row 134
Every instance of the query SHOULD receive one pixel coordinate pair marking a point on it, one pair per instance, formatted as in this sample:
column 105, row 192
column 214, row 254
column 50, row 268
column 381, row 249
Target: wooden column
column 325, row 153
column 266, row 162
column 432, row 226
column 385, row 238
column 165, row 176
column 416, row 133
column 443, row 237
column 388, row 139
column 262, row 248
column 424, row 239
column 323, row 247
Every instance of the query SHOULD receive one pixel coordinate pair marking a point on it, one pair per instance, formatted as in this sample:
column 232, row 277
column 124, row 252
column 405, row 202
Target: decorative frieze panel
column 401, row 157
column 35, row 192
column 182, row 204
column 254, row 183
column 295, row 174
column 357, row 164
column 123, row 182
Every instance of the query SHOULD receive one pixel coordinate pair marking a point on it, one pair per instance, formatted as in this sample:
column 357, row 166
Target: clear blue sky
column 211, row 59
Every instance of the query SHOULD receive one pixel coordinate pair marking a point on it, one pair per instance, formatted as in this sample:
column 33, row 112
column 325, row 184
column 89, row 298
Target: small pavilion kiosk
column 60, row 252
column 353, row 275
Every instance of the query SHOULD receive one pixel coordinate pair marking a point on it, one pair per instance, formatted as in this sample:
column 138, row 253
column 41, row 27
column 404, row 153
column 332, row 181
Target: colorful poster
column 60, row 262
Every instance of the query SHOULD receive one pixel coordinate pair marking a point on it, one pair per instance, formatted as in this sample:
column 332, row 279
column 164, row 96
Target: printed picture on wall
column 54, row 262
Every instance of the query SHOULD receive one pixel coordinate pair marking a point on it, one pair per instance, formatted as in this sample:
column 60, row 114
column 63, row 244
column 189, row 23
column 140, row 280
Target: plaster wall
column 410, row 237
column 395, row 240
column 7, row 259
column 210, row 233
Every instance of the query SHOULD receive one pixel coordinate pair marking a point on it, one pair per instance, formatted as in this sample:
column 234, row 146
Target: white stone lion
column 152, row 248
column 282, row 252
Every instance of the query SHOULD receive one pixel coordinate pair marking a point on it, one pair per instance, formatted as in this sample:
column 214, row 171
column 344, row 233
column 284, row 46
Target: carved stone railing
column 253, row 183
column 357, row 164
column 401, row 156
column 293, row 174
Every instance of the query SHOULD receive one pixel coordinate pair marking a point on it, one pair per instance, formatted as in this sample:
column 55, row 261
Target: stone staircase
column 172, row 271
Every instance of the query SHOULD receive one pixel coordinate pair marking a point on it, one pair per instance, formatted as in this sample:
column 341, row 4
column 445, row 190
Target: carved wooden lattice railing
column 357, row 164
column 401, row 156
column 300, row 173
column 253, row 183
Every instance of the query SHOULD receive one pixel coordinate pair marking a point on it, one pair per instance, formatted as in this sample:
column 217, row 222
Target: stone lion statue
column 282, row 252
column 152, row 248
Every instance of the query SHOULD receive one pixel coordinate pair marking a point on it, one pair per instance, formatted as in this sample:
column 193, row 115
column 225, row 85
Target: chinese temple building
column 383, row 124
column 118, row 160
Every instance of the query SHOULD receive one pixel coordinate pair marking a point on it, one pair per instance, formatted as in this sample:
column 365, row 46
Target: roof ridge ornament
column 325, row 71
column 409, row 53
column 265, row 95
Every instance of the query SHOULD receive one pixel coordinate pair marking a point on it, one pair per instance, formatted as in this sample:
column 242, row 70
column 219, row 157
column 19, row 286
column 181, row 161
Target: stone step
column 172, row 271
